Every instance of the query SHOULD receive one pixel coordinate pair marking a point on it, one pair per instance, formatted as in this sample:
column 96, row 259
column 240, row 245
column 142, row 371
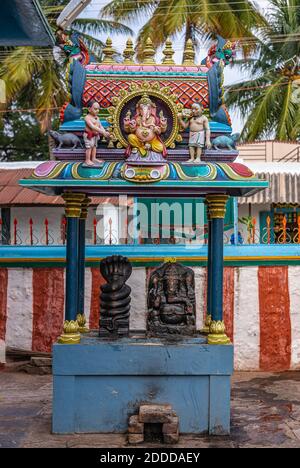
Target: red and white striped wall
column 261, row 310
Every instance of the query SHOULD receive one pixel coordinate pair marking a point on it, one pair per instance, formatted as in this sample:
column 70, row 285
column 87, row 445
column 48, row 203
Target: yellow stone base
column 206, row 329
column 81, row 320
column 69, row 338
column 218, row 339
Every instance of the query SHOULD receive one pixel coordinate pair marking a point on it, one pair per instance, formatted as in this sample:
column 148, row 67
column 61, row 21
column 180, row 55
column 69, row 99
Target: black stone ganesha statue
column 115, row 297
column 171, row 301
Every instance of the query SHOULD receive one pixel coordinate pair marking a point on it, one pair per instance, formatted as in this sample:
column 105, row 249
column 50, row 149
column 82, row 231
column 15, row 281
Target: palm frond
column 128, row 10
column 18, row 68
column 96, row 26
column 49, row 95
column 287, row 114
column 95, row 46
column 266, row 101
column 260, row 120
column 204, row 18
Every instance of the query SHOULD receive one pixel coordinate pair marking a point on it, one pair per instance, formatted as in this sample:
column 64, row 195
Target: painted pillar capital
column 216, row 205
column 73, row 204
column 84, row 208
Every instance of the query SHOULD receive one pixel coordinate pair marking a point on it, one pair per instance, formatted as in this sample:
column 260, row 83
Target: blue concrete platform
column 98, row 384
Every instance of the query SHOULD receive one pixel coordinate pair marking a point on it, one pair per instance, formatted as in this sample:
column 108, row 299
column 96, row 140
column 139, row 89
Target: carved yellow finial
column 81, row 320
column 128, row 52
column 71, row 333
column 108, row 52
column 168, row 53
column 149, row 52
column 189, row 53
column 217, row 333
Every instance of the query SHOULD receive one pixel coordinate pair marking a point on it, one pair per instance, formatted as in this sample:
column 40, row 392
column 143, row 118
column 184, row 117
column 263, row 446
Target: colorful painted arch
column 165, row 179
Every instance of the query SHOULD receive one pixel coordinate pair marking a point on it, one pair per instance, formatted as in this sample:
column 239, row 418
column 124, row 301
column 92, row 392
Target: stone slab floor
column 265, row 413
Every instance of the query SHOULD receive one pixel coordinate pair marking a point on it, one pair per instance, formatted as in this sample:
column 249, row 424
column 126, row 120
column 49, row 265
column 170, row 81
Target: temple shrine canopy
column 164, row 129
column 149, row 130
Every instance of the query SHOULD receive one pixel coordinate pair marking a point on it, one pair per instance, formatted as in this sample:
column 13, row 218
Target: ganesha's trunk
column 145, row 115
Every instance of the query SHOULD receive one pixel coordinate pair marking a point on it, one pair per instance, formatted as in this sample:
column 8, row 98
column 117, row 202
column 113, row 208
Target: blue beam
column 58, row 252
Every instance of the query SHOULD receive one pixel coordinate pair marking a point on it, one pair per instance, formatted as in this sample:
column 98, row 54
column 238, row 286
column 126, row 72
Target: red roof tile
column 12, row 194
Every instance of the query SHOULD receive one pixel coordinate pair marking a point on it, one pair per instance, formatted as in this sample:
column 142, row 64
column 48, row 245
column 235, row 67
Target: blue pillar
column 81, row 254
column 209, row 279
column 217, row 229
column 73, row 212
column 81, row 265
column 72, row 269
column 236, row 221
column 209, row 270
column 217, row 208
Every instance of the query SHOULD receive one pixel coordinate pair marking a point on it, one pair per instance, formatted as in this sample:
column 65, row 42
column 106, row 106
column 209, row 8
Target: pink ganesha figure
column 145, row 128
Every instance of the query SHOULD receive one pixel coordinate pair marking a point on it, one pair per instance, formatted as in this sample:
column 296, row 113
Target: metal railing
column 34, row 234
column 31, row 234
column 271, row 234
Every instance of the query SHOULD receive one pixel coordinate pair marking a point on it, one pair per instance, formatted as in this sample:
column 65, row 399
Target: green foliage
column 21, row 138
column 196, row 19
column 35, row 78
column 88, row 28
column 270, row 100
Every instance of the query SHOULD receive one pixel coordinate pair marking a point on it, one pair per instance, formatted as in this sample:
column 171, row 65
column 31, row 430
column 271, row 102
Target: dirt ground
column 265, row 413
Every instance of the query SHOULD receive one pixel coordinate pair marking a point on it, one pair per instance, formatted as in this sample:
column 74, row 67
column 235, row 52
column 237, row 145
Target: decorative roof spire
column 149, row 52
column 168, row 53
column 108, row 52
column 128, row 52
column 189, row 53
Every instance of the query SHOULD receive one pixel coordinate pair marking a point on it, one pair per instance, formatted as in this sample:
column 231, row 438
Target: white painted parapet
column 32, row 310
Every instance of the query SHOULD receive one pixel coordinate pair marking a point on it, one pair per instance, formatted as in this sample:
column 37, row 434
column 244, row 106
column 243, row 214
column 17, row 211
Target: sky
column 232, row 74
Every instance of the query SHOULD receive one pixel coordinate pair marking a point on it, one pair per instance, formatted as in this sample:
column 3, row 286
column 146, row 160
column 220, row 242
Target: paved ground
column 265, row 413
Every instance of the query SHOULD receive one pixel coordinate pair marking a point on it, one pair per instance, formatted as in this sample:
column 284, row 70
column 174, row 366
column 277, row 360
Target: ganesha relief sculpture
column 144, row 121
column 171, row 301
column 145, row 128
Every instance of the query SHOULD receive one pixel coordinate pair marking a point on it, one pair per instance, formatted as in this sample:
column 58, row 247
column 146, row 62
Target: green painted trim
column 98, row 183
column 143, row 74
column 200, row 261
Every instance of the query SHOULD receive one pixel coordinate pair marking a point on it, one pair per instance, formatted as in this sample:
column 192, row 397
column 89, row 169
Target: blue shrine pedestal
column 98, row 384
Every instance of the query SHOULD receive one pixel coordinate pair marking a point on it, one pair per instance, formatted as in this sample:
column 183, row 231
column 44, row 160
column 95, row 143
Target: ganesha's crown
column 145, row 99
column 172, row 271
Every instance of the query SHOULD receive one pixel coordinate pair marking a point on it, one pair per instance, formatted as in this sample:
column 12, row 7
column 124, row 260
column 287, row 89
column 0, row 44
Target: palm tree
column 194, row 18
column 270, row 100
column 35, row 77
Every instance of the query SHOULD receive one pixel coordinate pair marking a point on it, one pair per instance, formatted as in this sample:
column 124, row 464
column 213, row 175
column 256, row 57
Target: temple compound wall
column 261, row 310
